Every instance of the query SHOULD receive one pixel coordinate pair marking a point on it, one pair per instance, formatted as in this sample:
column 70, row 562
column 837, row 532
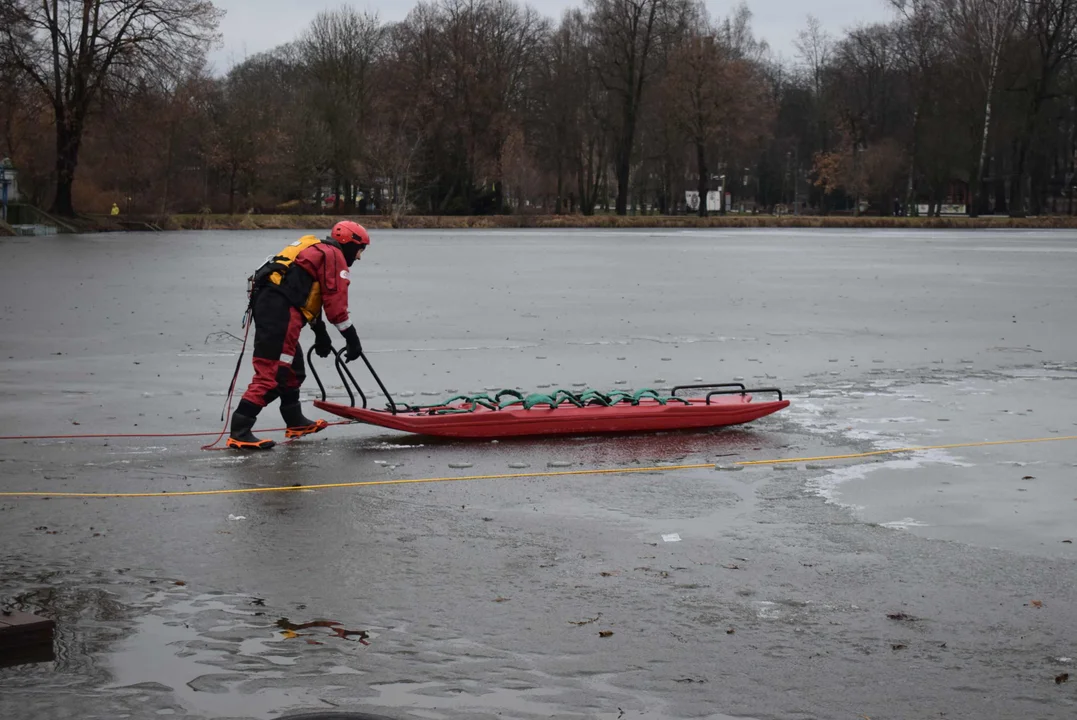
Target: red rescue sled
column 562, row 414
column 647, row 416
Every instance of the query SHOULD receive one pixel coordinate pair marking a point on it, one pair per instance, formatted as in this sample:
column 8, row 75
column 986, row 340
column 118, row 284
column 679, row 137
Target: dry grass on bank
column 417, row 222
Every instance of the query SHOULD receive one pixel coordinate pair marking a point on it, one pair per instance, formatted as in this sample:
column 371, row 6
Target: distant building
column 11, row 178
column 9, row 187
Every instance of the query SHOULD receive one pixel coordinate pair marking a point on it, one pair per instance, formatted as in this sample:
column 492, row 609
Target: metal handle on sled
column 314, row 372
column 744, row 391
column 347, row 379
column 740, row 390
column 341, row 369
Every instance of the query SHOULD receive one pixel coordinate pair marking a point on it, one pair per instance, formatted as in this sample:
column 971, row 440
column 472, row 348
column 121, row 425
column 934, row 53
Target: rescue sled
column 509, row 413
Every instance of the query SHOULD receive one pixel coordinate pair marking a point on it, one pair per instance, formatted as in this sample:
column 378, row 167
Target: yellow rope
column 510, row 476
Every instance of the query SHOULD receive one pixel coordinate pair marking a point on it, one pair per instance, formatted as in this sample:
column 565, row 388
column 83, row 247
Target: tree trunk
column 1037, row 191
column 669, row 206
column 624, row 171
column 560, row 185
column 856, row 175
column 1017, row 189
column 597, row 175
column 977, row 180
column 168, row 167
column 68, row 136
column 587, row 179
column 1024, row 145
column 232, row 189
column 582, row 183
column 910, row 187
column 604, row 182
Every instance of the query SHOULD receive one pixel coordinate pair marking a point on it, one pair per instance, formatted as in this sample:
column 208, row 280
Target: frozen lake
column 472, row 591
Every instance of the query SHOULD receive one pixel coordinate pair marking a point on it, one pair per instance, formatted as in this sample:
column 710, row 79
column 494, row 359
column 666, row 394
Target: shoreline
column 141, row 223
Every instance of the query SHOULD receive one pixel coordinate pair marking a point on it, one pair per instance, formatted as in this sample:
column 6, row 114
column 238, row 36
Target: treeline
column 486, row 107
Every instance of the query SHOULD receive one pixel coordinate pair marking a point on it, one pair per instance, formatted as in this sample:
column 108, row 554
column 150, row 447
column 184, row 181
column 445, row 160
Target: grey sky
column 251, row 26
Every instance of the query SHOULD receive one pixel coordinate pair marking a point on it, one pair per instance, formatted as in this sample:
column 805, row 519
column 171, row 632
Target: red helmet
column 348, row 232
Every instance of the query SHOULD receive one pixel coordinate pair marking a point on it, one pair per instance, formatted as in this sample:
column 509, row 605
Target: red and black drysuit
column 288, row 299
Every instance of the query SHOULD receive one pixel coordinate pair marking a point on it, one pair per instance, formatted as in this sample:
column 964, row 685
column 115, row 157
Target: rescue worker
column 288, row 292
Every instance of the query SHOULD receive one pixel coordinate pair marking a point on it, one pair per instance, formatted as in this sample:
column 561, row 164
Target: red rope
column 226, row 416
column 141, row 435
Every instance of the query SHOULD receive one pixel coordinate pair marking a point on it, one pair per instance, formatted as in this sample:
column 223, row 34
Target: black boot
column 241, row 436
column 298, row 424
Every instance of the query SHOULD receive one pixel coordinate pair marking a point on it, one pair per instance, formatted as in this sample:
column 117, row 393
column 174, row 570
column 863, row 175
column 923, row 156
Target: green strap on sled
column 507, row 398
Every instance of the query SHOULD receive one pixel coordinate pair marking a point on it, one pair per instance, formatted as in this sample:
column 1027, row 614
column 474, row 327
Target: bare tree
column 572, row 110
column 24, row 138
column 1049, row 28
column 557, row 97
column 862, row 95
column 398, row 125
column 247, row 137
column 736, row 32
column 919, row 40
column 468, row 63
column 338, row 53
column 491, row 46
column 981, row 30
column 591, row 117
column 73, row 49
column 699, row 93
column 15, row 85
column 815, row 48
column 625, row 34
column 718, row 99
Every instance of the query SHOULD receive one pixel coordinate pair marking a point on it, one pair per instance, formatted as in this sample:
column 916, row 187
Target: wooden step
column 24, row 638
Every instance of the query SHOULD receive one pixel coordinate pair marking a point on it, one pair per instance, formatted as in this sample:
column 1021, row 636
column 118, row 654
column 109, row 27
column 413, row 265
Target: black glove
column 323, row 344
column 354, row 348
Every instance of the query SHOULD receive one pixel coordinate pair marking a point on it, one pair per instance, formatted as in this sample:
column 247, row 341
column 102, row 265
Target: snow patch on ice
column 829, row 486
column 903, row 524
